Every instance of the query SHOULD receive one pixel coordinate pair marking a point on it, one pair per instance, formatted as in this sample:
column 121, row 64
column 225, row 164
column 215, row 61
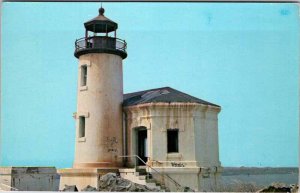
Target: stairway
column 140, row 176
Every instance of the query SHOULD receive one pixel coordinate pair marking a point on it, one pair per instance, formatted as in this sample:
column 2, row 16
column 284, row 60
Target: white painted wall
column 100, row 101
column 197, row 163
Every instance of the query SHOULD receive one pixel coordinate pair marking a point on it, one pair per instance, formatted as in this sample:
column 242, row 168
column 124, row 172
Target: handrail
column 87, row 43
column 176, row 183
column 15, row 189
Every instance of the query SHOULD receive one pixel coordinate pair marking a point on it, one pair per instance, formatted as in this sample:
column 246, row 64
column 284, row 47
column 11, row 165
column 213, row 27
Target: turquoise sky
column 243, row 57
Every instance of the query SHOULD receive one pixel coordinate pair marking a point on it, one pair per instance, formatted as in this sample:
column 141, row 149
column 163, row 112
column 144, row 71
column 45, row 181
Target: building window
column 83, row 75
column 172, row 135
column 81, row 126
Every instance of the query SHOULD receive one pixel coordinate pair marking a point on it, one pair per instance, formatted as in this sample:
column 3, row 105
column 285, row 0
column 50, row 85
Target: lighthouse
column 98, row 142
column 169, row 135
column 99, row 95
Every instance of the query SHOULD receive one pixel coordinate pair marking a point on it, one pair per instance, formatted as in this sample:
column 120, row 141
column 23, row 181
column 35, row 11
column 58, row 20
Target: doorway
column 142, row 148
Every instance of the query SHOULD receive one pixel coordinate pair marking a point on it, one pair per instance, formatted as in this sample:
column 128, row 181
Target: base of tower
column 105, row 165
column 82, row 177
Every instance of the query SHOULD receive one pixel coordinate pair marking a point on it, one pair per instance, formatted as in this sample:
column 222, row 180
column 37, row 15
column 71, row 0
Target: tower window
column 83, row 75
column 172, row 135
column 81, row 126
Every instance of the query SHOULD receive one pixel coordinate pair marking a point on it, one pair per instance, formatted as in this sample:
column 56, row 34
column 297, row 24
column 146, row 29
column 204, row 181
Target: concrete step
column 142, row 167
column 142, row 182
column 125, row 170
column 152, row 185
column 140, row 176
column 143, row 177
column 141, row 170
column 151, row 180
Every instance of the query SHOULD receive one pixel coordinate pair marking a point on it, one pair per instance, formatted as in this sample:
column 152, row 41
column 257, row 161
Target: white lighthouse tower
column 99, row 103
column 99, row 95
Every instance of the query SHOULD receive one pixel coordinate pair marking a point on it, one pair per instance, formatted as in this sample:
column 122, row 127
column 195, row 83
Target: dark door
column 142, row 146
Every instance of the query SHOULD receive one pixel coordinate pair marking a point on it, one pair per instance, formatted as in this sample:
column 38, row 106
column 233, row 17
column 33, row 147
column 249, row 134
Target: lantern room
column 100, row 37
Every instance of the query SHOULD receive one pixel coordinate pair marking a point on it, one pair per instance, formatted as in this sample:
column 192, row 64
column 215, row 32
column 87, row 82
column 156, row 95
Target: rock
column 280, row 187
column 294, row 187
column 70, row 188
column 186, row 189
column 89, row 189
column 111, row 182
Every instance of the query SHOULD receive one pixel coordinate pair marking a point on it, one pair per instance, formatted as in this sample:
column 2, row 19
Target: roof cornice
column 162, row 105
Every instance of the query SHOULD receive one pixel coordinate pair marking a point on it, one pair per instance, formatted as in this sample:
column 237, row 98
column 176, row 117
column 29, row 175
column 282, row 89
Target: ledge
column 84, row 114
column 84, row 171
column 174, row 155
column 166, row 129
column 120, row 53
column 83, row 88
column 85, row 64
column 81, row 139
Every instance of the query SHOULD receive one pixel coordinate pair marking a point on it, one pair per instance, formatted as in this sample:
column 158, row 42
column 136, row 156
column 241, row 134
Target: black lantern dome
column 101, row 24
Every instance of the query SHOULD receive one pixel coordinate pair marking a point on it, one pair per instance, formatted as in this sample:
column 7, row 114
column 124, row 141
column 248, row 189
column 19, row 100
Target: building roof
column 101, row 24
column 164, row 94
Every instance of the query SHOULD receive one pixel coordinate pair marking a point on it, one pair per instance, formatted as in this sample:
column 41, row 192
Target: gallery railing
column 178, row 186
column 100, row 42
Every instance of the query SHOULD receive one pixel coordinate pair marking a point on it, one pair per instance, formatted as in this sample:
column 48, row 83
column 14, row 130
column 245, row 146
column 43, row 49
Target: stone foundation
column 82, row 177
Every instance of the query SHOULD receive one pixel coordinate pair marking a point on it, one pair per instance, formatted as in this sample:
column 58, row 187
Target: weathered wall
column 206, row 136
column 100, row 103
column 28, row 178
column 197, row 163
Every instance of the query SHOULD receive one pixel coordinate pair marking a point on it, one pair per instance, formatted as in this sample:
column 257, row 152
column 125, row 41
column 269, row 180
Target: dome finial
column 101, row 10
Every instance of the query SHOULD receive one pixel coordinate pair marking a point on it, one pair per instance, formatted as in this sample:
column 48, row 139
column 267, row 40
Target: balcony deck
column 100, row 44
